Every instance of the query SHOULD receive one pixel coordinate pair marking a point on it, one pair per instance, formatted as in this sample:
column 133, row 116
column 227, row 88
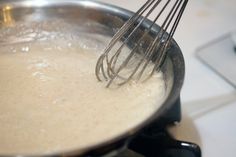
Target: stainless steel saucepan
column 106, row 19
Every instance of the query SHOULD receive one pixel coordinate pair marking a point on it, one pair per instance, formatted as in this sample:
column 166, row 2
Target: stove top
column 160, row 144
column 155, row 140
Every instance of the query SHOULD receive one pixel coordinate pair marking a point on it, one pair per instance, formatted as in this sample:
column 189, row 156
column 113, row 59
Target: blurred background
column 206, row 36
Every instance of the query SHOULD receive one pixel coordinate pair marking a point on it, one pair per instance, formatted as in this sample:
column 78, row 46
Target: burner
column 155, row 141
column 160, row 143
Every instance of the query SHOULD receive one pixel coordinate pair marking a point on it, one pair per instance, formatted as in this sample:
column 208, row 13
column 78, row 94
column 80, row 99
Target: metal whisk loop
column 116, row 38
column 120, row 64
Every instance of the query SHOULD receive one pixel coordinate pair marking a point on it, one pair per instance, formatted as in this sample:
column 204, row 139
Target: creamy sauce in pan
column 50, row 99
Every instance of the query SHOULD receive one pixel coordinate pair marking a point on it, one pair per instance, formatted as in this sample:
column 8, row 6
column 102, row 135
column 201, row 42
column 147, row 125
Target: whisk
column 120, row 64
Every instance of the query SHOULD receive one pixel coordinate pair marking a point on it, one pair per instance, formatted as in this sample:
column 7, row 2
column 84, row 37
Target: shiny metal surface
column 106, row 20
column 113, row 62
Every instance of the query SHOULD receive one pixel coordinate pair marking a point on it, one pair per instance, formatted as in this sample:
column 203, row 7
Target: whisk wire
column 149, row 3
column 116, row 37
column 110, row 64
column 176, row 22
column 115, row 74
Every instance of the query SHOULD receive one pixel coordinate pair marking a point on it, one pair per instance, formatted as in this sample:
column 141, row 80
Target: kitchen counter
column 209, row 102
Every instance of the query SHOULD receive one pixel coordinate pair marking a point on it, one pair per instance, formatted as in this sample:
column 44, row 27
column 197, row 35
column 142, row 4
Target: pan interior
column 66, row 29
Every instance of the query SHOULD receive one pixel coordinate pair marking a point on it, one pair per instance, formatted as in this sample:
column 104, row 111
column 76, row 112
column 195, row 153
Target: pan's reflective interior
column 16, row 22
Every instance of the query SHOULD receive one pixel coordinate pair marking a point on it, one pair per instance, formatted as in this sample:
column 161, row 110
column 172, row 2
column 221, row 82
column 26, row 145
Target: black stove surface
column 155, row 141
column 160, row 145
column 170, row 153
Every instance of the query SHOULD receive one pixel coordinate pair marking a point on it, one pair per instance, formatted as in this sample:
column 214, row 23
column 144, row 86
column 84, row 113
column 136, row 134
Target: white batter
column 50, row 99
